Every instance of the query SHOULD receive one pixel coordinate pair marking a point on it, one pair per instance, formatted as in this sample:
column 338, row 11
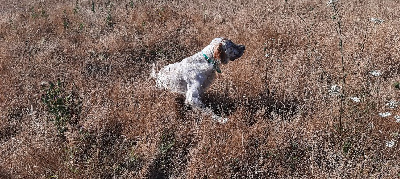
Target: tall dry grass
column 285, row 119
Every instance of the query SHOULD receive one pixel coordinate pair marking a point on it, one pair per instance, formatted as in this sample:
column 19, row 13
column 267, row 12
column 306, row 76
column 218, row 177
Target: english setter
column 194, row 74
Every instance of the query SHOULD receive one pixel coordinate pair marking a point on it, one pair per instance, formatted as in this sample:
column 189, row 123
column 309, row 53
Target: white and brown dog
column 194, row 74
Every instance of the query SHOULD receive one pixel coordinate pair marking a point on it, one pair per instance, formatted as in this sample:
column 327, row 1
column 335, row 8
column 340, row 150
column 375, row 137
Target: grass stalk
column 339, row 30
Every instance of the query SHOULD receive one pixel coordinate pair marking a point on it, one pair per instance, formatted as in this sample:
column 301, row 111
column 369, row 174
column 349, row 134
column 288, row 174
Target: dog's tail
column 153, row 71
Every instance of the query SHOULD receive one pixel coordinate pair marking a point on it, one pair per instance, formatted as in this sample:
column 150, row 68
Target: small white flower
column 390, row 144
column 392, row 104
column 355, row 99
column 335, row 90
column 385, row 114
column 331, row 1
column 397, row 118
column 375, row 73
column 376, row 20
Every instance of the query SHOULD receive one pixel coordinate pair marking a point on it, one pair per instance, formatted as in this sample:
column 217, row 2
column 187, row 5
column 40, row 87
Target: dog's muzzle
column 241, row 49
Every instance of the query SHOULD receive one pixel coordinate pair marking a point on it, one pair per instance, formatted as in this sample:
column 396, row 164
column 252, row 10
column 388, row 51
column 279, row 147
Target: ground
column 314, row 96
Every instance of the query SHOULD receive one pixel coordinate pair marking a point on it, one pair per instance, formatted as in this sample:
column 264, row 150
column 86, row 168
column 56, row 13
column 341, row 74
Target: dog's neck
column 209, row 51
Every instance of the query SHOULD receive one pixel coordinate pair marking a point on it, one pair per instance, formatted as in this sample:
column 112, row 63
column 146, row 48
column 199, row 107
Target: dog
column 194, row 74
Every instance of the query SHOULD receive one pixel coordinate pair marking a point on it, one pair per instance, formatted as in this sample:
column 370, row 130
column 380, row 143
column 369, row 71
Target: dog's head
column 226, row 50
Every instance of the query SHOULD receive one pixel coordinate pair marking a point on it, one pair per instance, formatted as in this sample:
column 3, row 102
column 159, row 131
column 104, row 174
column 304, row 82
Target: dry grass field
column 314, row 96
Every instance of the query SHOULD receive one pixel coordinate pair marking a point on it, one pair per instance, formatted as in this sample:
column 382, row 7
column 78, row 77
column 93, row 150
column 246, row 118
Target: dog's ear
column 219, row 52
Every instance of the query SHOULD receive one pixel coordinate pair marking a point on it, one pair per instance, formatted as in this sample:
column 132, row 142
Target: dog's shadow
column 266, row 104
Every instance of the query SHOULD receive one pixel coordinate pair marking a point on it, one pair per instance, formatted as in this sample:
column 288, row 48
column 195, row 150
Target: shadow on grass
column 173, row 155
column 12, row 125
column 4, row 174
column 265, row 104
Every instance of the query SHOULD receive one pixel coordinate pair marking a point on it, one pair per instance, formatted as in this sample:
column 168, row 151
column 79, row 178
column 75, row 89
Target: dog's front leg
column 193, row 95
column 193, row 98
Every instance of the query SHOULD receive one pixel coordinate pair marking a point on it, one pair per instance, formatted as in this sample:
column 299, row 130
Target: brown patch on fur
column 219, row 52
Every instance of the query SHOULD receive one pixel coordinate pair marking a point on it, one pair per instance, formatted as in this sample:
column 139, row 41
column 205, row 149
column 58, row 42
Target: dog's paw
column 215, row 117
column 219, row 119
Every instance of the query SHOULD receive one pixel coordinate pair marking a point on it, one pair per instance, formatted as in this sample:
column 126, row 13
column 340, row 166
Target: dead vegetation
column 295, row 108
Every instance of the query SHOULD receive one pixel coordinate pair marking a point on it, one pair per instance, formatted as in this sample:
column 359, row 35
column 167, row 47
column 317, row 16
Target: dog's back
column 171, row 78
column 176, row 76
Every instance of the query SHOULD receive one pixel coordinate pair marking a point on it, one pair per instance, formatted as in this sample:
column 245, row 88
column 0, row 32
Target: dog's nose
column 242, row 47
